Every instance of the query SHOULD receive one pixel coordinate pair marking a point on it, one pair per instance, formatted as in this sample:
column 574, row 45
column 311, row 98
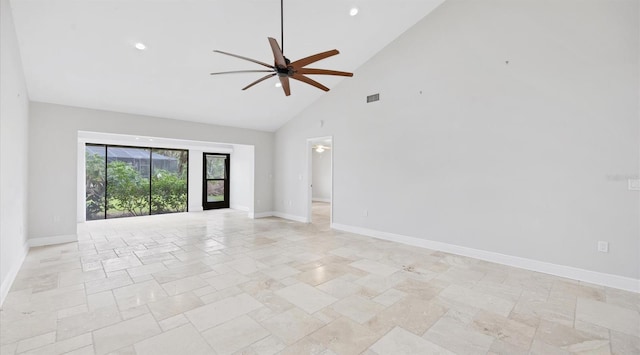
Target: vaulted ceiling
column 81, row 52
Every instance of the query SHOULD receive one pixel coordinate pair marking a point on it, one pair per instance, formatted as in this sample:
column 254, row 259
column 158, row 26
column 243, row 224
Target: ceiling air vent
column 372, row 98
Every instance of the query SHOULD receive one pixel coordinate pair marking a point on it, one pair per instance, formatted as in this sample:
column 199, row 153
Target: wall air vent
column 372, row 98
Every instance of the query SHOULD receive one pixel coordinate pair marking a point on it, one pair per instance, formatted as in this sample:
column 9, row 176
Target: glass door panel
column 215, row 181
column 95, row 181
column 169, row 180
column 128, row 188
column 215, row 191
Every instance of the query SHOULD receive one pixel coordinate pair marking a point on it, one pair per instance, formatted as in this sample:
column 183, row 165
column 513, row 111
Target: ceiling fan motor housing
column 288, row 71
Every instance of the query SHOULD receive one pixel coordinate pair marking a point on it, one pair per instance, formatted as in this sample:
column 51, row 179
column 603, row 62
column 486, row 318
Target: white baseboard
column 56, row 239
column 319, row 199
column 239, row 208
column 13, row 272
column 277, row 214
column 255, row 215
column 291, row 217
column 196, row 209
column 594, row 277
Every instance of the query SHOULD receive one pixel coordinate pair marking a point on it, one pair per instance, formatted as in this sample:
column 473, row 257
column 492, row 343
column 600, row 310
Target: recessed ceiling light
column 278, row 84
column 140, row 46
column 353, row 11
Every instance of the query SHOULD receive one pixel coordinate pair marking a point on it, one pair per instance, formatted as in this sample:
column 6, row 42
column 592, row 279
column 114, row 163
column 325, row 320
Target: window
column 216, row 181
column 126, row 181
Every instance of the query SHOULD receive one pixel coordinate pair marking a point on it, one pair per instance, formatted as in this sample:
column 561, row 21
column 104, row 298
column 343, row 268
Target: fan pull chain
column 282, row 25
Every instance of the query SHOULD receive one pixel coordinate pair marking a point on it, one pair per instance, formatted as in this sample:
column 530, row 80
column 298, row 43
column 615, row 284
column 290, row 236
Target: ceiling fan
column 284, row 68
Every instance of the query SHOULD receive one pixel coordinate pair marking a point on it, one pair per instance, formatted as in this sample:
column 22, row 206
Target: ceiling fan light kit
column 320, row 148
column 284, row 68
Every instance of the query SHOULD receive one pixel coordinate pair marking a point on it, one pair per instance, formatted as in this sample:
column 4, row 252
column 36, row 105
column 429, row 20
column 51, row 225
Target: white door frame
column 309, row 175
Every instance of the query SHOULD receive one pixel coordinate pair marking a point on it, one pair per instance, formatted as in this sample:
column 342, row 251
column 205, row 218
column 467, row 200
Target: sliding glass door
column 134, row 181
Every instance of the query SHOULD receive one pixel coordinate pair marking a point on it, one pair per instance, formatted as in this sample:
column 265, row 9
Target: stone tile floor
column 217, row 282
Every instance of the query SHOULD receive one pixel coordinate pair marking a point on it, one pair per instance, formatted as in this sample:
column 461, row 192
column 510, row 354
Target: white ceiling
column 80, row 52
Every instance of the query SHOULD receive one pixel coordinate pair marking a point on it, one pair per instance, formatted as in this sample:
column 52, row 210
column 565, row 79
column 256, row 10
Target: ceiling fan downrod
column 286, row 60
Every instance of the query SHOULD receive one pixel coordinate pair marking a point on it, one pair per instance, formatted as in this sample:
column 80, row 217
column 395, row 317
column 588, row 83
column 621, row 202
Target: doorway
column 215, row 180
column 320, row 192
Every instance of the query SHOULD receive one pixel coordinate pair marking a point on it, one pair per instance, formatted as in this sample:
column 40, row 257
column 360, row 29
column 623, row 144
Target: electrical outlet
column 290, row 203
column 634, row 184
column 603, row 247
column 365, row 213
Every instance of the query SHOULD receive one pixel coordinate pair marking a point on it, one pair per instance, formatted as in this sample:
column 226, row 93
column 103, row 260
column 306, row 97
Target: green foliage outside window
column 95, row 186
column 127, row 191
column 169, row 191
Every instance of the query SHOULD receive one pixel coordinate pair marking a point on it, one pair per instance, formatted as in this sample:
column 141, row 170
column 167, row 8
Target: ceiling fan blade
column 313, row 58
column 311, row 71
column 245, row 58
column 243, row 71
column 277, row 53
column 284, row 80
column 259, row 81
column 311, row 82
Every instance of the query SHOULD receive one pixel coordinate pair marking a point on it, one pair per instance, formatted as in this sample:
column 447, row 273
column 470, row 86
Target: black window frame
column 206, row 205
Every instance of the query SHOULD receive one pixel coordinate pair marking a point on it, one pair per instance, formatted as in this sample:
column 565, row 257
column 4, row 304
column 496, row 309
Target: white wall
column 241, row 178
column 53, row 158
column 321, row 171
column 527, row 159
column 195, row 180
column 14, row 112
